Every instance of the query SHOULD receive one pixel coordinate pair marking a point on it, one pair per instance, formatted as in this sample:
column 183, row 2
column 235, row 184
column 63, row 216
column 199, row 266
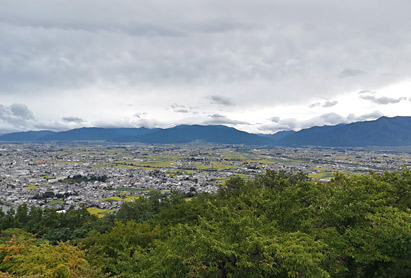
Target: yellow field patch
column 130, row 198
column 214, row 166
column 261, row 161
column 322, row 175
column 31, row 186
column 114, row 198
column 99, row 212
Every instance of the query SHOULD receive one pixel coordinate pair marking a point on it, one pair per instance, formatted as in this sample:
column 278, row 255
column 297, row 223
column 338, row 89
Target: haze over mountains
column 381, row 132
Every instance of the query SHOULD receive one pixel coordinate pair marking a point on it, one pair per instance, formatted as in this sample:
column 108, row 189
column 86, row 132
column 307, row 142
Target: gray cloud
column 283, row 124
column 21, row 111
column 140, row 115
column 350, row 73
column 370, row 116
column 325, row 119
column 330, row 103
column 144, row 122
column 325, row 104
column 275, row 119
column 182, row 111
column 149, row 123
column 262, row 54
column 218, row 119
column 366, row 92
column 321, row 120
column 383, row 100
column 290, row 49
column 220, row 100
column 16, row 116
column 316, row 104
column 55, row 126
column 181, row 108
column 75, row 120
column 176, row 106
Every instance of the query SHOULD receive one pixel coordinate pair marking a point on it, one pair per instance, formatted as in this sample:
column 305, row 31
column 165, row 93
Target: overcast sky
column 260, row 65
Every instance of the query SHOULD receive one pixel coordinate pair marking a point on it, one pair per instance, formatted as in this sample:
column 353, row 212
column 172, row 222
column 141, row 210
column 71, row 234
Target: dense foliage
column 278, row 225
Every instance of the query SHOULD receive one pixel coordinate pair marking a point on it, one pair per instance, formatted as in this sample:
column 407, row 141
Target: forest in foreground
column 277, row 225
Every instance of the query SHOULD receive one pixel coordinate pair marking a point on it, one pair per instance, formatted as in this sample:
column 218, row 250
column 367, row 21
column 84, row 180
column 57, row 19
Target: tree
column 24, row 255
column 121, row 250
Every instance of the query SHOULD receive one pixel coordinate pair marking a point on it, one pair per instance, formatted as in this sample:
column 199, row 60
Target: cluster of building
column 66, row 176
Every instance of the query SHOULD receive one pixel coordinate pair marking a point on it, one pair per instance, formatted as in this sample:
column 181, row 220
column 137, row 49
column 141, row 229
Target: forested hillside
column 278, row 225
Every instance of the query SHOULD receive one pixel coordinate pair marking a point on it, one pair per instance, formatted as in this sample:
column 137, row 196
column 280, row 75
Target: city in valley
column 101, row 177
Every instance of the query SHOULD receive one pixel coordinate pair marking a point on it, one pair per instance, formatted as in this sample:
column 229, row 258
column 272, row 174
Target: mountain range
column 384, row 131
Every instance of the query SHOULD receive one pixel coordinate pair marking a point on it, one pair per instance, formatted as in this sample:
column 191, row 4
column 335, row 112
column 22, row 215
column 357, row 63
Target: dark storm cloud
column 383, row 100
column 75, row 120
